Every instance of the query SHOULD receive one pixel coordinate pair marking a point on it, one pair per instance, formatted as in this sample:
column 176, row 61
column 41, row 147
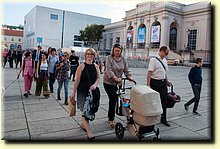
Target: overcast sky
column 13, row 12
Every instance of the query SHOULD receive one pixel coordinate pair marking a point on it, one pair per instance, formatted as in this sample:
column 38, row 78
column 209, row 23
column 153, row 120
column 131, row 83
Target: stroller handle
column 124, row 79
column 122, row 86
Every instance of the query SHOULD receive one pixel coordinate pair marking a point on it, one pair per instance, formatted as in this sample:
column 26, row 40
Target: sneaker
column 196, row 113
column 186, row 107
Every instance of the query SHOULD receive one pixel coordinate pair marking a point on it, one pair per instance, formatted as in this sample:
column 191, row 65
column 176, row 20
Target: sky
column 13, row 12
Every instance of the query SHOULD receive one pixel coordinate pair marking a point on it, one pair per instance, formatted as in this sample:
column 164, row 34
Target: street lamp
column 187, row 46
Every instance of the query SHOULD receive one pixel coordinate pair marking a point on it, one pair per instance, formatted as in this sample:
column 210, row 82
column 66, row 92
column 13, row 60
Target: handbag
column 95, row 96
column 72, row 108
column 172, row 99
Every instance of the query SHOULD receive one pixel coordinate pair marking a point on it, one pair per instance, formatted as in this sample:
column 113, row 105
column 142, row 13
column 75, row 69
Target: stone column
column 165, row 30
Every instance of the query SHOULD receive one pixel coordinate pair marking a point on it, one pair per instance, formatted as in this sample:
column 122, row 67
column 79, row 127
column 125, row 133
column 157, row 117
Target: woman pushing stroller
column 116, row 65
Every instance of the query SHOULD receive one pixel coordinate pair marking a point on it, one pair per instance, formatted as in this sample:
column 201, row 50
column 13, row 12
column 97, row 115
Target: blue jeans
column 196, row 91
column 60, row 84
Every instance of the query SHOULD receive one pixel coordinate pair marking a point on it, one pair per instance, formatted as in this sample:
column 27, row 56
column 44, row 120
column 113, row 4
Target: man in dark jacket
column 195, row 78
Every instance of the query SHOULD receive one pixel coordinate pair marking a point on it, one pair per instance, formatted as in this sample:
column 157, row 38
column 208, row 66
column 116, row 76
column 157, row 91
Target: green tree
column 92, row 34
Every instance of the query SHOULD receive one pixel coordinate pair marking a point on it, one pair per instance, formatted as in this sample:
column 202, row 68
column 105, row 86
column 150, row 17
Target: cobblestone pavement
column 38, row 118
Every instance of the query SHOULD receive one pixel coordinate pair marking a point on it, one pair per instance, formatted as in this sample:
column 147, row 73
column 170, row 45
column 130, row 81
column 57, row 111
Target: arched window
column 155, row 35
column 129, row 42
column 173, row 38
column 141, row 36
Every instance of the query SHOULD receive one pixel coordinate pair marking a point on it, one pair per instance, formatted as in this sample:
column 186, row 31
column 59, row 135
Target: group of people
column 12, row 56
column 45, row 68
column 87, row 76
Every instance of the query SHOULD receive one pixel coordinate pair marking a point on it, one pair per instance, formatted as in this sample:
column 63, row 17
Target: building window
column 54, row 16
column 192, row 40
column 117, row 40
column 173, row 38
column 12, row 39
column 5, row 38
column 19, row 39
column 155, row 35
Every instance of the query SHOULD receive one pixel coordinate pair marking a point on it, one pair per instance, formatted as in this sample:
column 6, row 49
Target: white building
column 186, row 29
column 51, row 27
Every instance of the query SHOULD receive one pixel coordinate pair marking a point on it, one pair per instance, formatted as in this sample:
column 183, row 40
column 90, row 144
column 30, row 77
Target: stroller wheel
column 119, row 130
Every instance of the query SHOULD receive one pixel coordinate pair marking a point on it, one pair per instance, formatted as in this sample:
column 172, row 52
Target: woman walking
column 115, row 67
column 42, row 76
column 28, row 72
column 63, row 76
column 86, row 72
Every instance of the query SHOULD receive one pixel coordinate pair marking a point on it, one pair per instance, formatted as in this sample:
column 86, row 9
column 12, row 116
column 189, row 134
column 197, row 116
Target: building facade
column 11, row 38
column 51, row 27
column 186, row 29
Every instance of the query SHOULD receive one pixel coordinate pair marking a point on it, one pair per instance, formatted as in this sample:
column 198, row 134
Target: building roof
column 12, row 32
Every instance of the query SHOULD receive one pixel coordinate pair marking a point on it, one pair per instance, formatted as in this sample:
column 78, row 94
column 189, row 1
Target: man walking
column 195, row 78
column 157, row 78
column 74, row 63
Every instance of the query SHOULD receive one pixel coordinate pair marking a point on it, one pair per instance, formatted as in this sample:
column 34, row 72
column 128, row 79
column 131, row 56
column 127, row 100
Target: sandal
column 111, row 124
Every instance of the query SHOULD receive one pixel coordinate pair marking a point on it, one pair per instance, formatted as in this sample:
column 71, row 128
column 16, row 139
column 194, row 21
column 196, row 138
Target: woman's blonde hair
column 92, row 51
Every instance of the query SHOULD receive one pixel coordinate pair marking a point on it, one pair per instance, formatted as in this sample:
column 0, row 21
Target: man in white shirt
column 157, row 78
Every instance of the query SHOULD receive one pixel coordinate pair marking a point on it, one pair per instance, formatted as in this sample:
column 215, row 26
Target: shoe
column 26, row 95
column 196, row 113
column 111, row 124
column 186, row 107
column 65, row 103
column 58, row 98
column 29, row 93
column 51, row 91
column 165, row 123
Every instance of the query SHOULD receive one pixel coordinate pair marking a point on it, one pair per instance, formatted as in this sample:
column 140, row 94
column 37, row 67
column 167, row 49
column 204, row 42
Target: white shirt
column 157, row 69
column 43, row 66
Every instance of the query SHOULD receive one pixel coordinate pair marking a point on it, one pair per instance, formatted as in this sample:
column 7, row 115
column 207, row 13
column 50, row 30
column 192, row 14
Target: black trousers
column 111, row 91
column 161, row 87
column 196, row 91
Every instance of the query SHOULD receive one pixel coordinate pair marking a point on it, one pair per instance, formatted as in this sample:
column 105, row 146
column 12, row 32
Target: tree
column 92, row 34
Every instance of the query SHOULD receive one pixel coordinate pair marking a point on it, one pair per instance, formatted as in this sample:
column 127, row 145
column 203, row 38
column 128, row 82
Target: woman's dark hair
column 116, row 46
column 27, row 54
column 53, row 49
column 45, row 53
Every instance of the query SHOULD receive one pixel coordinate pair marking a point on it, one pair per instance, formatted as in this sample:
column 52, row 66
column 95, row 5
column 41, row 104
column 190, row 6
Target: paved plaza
column 38, row 118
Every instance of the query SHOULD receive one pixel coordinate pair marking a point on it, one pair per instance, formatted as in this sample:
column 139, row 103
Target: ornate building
column 186, row 29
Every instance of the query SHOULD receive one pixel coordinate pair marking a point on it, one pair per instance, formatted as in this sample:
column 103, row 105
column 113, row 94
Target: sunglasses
column 166, row 53
column 89, row 54
column 65, row 55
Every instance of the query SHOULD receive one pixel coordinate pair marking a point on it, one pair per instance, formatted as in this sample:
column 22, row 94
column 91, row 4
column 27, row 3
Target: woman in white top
column 42, row 76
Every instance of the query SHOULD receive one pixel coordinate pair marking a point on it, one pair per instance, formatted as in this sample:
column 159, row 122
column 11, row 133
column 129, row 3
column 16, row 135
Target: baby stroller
column 142, row 111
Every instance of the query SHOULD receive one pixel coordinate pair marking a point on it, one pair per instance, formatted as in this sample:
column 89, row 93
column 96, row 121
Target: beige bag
column 72, row 108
